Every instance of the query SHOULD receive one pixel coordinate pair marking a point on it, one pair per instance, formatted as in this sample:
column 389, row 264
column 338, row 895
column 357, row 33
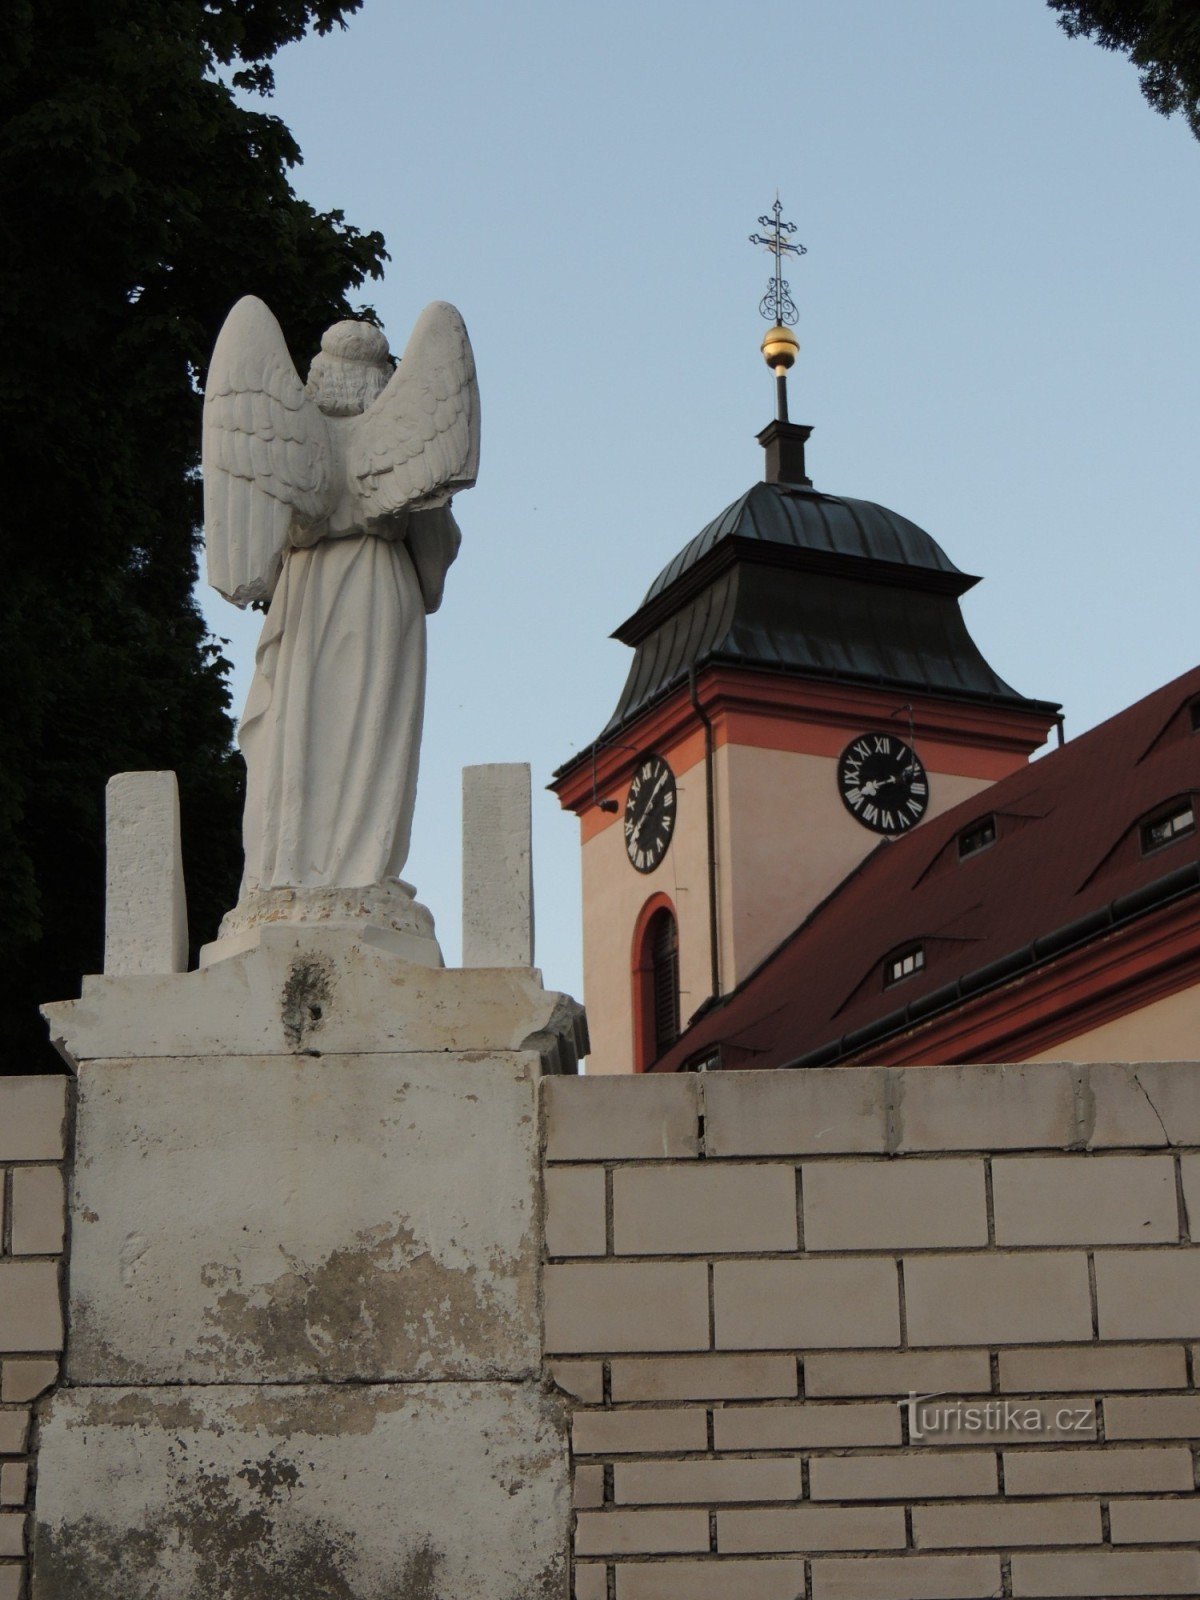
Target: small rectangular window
column 709, row 1063
column 1195, row 716
column 1167, row 827
column 977, row 837
column 902, row 966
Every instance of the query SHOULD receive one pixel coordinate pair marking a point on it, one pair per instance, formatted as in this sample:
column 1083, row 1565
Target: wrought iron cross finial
column 777, row 305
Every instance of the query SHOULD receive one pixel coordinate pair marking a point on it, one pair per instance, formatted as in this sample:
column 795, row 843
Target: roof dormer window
column 1195, row 710
column 1169, row 825
column 904, row 964
column 976, row 838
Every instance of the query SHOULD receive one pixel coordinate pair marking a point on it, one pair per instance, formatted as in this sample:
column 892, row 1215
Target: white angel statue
column 331, row 501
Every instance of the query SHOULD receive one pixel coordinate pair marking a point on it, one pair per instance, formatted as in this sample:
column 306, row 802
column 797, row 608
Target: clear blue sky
column 998, row 321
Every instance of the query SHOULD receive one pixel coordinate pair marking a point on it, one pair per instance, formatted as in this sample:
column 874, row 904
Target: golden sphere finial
column 780, row 347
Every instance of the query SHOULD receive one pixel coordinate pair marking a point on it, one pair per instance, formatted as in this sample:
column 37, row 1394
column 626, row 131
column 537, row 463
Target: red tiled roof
column 1067, row 864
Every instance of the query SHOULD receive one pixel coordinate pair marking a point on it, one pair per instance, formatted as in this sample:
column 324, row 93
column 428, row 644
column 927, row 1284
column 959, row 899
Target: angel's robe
column 332, row 728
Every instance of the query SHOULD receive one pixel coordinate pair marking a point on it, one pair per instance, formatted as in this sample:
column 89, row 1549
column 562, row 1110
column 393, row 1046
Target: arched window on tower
column 655, row 982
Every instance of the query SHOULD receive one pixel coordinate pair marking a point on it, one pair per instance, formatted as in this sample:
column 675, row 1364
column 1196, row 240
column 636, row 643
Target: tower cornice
column 791, row 713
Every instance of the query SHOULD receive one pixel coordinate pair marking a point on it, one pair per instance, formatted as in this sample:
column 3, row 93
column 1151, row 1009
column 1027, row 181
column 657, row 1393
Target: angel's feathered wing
column 266, row 455
column 419, row 442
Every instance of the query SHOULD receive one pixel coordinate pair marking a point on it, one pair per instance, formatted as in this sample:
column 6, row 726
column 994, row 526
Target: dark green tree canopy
column 1161, row 38
column 141, row 200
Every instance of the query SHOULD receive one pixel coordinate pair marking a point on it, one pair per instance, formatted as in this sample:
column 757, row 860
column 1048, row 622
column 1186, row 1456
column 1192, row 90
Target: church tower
column 803, row 688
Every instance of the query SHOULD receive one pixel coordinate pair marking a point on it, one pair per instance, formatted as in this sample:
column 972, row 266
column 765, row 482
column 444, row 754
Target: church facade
column 812, row 833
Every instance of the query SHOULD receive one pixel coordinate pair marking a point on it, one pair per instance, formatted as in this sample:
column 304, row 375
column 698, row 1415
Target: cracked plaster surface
column 293, row 1219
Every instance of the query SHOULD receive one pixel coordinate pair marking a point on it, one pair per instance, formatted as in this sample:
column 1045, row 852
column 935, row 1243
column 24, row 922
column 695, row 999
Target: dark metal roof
column 804, row 519
column 814, row 624
column 789, row 580
column 1067, row 866
column 793, row 581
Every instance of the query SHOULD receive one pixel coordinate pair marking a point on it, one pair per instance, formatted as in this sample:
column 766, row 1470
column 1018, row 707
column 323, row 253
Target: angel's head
column 351, row 370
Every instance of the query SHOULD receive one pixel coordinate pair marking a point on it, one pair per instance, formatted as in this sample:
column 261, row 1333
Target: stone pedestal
column 389, row 915
column 303, row 1491
column 304, row 1356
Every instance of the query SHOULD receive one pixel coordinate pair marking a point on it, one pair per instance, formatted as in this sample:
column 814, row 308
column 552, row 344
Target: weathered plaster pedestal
column 304, row 1353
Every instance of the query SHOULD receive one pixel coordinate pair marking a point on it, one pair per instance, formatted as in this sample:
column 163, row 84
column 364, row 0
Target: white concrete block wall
column 746, row 1276
column 33, row 1130
column 748, row 1273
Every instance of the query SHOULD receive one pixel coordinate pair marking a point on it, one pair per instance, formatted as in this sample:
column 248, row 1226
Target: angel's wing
column 419, row 442
column 266, row 453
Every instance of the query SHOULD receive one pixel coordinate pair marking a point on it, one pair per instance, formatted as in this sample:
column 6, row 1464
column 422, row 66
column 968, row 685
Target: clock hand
column 662, row 778
column 641, row 822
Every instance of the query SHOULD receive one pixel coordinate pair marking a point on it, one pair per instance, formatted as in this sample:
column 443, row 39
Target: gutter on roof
column 1125, row 908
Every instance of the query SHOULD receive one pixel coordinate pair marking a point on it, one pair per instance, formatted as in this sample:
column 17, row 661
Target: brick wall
column 747, row 1275
column 33, row 1120
column 748, row 1272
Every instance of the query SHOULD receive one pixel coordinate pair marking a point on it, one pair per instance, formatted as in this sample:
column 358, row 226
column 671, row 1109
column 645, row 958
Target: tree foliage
column 1161, row 38
column 142, row 197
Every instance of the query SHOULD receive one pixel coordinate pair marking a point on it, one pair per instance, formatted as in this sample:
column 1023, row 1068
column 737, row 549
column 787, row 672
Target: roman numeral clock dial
column 882, row 783
column 649, row 813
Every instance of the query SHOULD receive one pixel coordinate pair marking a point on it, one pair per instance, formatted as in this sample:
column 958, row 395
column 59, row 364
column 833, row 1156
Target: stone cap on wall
column 874, row 1110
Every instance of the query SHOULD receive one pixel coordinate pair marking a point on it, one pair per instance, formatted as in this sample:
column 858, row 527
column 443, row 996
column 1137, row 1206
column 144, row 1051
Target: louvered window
column 663, row 944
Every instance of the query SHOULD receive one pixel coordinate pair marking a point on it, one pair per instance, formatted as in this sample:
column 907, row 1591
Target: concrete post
column 145, row 917
column 497, row 926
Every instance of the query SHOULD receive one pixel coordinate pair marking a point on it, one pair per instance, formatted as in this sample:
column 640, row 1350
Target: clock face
column 649, row 813
column 882, row 783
